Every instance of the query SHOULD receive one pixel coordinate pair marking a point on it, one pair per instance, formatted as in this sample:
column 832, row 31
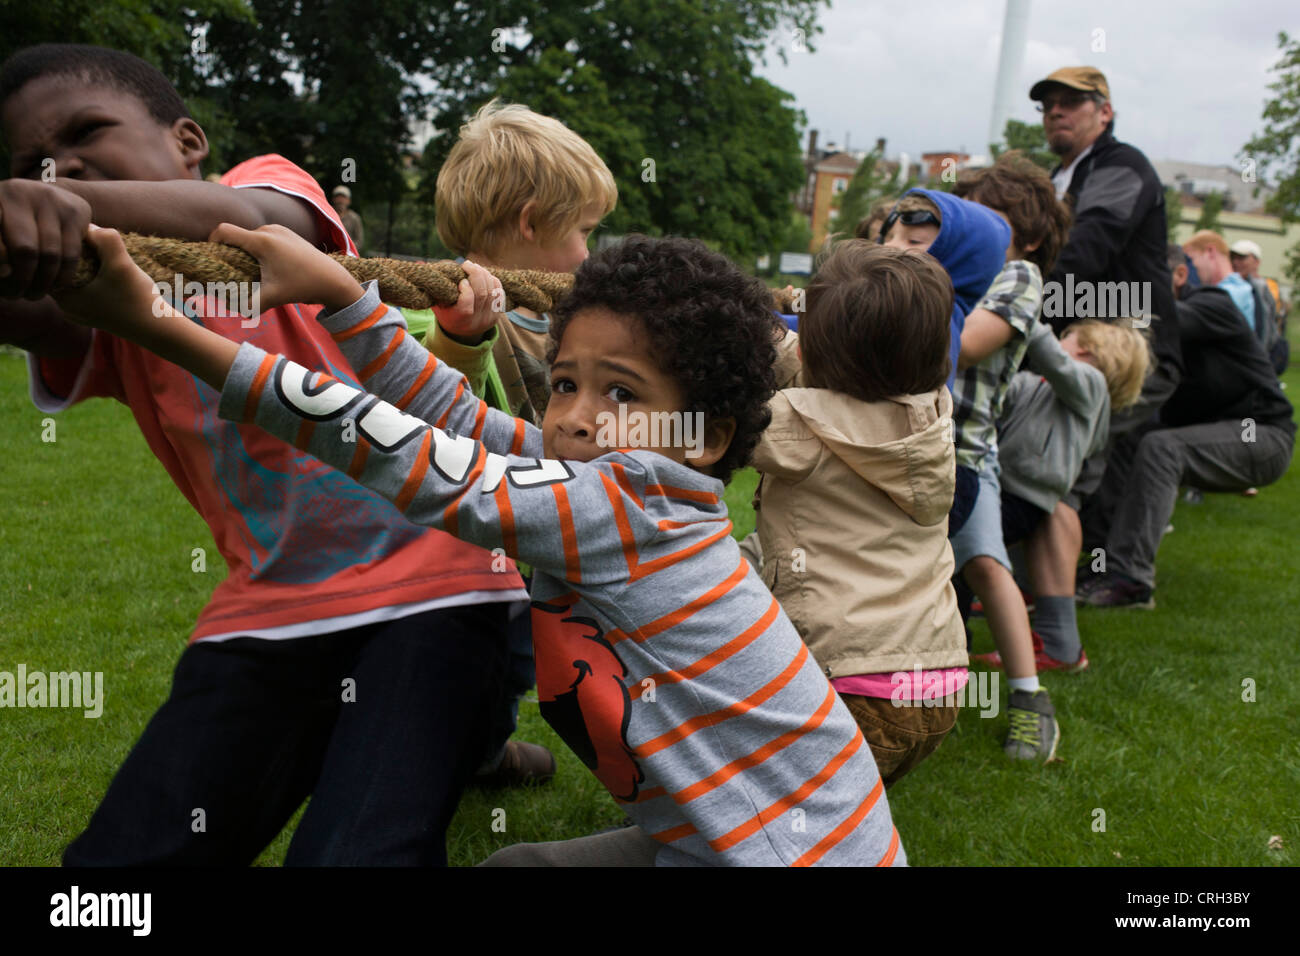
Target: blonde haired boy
column 518, row 191
column 1119, row 352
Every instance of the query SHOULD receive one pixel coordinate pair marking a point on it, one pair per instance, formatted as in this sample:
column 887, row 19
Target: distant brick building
column 1195, row 181
column 935, row 164
column 829, row 177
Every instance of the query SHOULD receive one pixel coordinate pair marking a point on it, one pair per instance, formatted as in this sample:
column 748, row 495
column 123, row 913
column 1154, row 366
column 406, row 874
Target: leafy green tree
column 329, row 85
column 870, row 182
column 796, row 238
column 1277, row 148
column 166, row 33
column 160, row 31
column 1030, row 139
column 666, row 93
column 318, row 83
column 1209, row 217
column 1173, row 211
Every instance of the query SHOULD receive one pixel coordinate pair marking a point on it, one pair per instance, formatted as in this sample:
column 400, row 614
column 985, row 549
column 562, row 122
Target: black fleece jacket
column 1119, row 236
column 1226, row 375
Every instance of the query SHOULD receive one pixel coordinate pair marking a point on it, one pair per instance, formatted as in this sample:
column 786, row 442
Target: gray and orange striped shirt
column 662, row 660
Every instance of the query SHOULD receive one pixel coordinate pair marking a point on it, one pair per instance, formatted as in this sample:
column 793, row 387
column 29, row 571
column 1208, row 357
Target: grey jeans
column 1219, row 456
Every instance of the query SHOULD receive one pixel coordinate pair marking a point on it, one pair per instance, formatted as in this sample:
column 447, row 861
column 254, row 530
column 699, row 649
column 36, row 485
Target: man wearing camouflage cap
column 1118, row 236
column 1118, row 233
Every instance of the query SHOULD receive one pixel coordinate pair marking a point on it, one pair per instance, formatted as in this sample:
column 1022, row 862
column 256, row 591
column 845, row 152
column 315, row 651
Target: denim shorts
column 982, row 532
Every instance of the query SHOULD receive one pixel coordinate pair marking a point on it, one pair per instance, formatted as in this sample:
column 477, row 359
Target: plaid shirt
column 977, row 394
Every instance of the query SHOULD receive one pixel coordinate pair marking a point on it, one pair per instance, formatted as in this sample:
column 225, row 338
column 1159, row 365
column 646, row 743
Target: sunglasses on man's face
column 1069, row 101
column 912, row 217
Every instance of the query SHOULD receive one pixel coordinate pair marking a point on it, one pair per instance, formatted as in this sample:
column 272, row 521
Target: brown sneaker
column 522, row 764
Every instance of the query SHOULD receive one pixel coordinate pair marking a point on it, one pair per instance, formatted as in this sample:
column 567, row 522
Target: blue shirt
column 1243, row 296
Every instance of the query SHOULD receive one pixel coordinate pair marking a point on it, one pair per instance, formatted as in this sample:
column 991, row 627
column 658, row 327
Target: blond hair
column 1120, row 353
column 506, row 157
column 1208, row 239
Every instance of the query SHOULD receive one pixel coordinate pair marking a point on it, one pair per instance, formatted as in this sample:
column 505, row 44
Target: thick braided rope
column 410, row 285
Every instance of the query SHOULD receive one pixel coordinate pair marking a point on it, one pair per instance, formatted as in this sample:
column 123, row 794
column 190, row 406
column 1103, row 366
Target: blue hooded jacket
column 972, row 248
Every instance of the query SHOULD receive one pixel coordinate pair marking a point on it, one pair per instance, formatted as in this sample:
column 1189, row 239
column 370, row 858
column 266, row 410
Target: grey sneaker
column 1117, row 590
column 1034, row 732
column 1084, row 585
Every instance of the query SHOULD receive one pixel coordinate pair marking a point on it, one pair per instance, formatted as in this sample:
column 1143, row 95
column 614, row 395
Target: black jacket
column 1226, row 374
column 1119, row 236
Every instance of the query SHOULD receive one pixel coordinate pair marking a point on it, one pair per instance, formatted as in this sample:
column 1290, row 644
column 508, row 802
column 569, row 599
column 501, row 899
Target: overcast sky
column 1188, row 79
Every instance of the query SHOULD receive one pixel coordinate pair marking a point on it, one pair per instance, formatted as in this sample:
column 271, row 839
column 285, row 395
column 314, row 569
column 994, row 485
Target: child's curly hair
column 713, row 328
column 1024, row 193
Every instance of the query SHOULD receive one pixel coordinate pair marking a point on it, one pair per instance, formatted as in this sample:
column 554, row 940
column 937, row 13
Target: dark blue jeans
column 520, row 677
column 965, row 490
column 252, row 727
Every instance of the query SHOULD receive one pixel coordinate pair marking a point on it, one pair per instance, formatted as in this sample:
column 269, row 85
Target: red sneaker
column 1042, row 660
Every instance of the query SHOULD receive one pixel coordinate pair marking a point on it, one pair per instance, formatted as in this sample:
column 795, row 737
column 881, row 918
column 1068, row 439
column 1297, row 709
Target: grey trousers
column 1220, row 456
column 628, row 846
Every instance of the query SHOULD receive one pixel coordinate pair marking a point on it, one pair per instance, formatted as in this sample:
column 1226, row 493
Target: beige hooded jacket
column 853, row 522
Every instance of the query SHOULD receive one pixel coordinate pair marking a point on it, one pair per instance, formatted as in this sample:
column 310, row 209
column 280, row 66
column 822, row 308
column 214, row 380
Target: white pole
column 1015, row 30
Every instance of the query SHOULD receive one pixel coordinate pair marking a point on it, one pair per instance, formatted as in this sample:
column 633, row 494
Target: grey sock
column 1056, row 624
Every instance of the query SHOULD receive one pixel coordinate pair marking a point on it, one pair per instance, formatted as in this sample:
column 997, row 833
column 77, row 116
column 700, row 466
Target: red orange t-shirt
column 308, row 549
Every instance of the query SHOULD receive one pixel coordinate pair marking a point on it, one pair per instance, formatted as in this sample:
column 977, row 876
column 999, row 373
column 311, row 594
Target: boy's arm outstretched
column 415, row 381
column 388, row 360
column 41, row 226
column 547, row 512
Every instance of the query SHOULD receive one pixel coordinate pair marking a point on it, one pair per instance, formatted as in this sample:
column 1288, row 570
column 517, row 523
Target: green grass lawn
column 97, row 576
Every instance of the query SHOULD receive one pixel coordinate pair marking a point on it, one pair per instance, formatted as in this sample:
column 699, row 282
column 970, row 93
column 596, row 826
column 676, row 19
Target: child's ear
column 718, row 433
column 526, row 228
column 191, row 142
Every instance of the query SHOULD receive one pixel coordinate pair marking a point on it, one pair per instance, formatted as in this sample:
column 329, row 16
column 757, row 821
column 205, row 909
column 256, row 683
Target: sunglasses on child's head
column 912, row 217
